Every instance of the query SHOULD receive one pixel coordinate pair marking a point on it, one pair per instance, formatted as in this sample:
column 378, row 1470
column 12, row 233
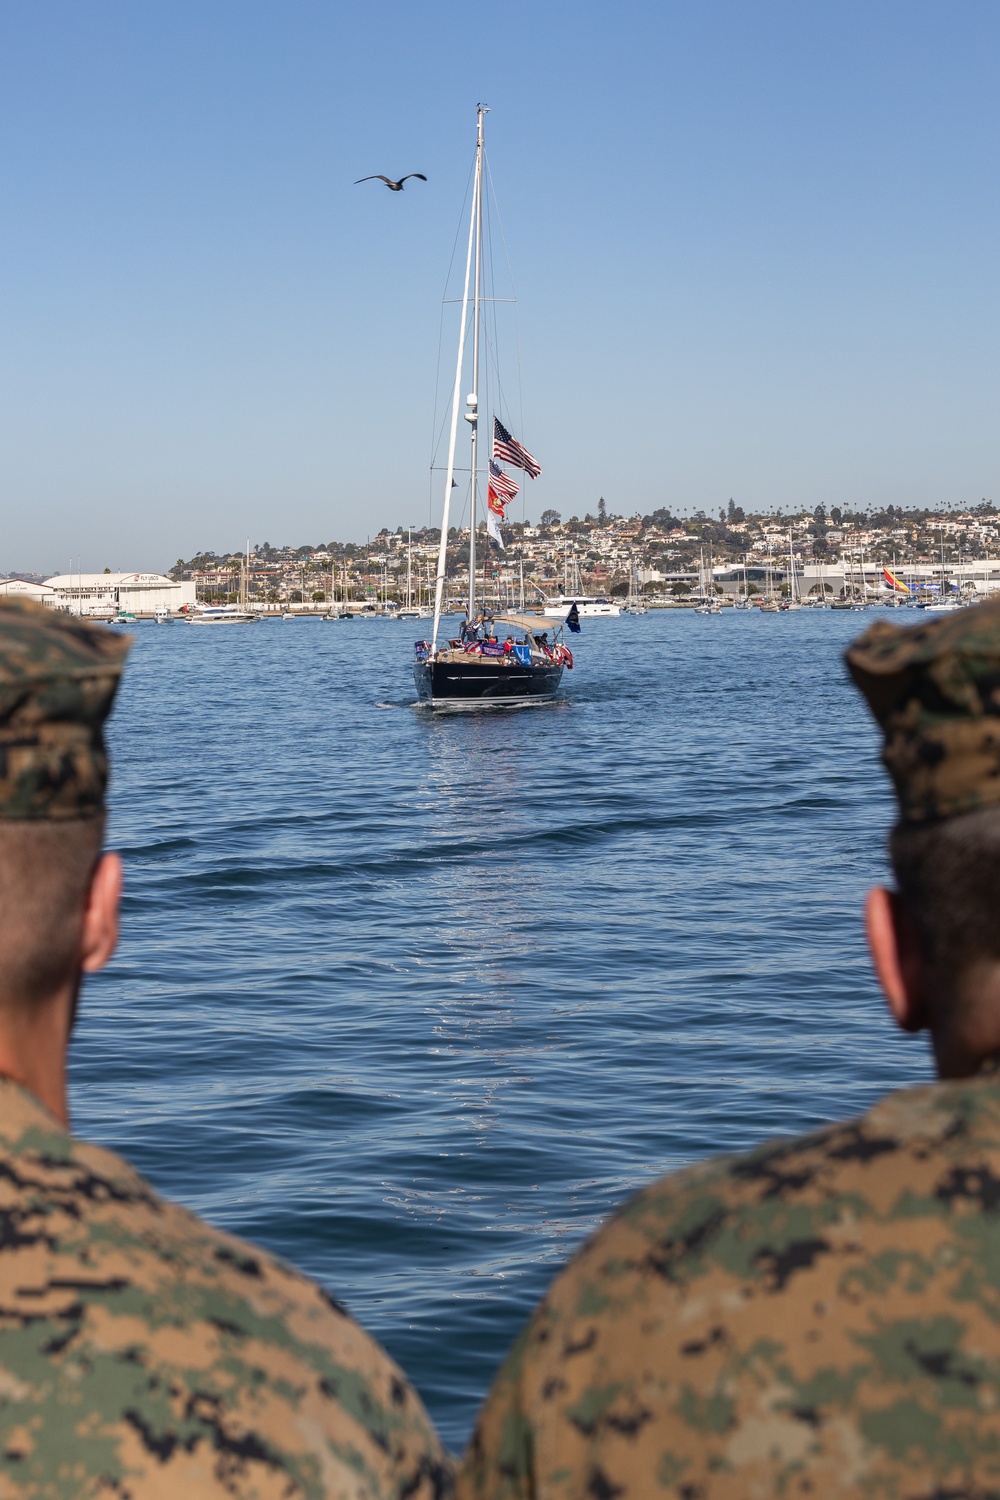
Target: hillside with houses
column 664, row 555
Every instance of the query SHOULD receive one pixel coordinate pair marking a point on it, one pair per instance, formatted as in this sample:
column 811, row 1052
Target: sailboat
column 411, row 610
column 947, row 601
column 498, row 658
column 634, row 604
column 794, row 592
column 710, row 604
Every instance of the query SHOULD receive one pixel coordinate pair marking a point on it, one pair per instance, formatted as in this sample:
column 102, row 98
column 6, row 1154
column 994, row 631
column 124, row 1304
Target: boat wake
column 473, row 706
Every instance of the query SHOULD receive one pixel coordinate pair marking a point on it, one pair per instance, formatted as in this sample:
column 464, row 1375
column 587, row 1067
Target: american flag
column 510, row 451
column 501, row 483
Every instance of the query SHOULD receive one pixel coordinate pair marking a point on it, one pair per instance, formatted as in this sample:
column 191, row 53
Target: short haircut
column 46, row 868
column 948, row 875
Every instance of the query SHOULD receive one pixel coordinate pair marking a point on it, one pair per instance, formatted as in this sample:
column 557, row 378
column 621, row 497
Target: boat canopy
column 536, row 624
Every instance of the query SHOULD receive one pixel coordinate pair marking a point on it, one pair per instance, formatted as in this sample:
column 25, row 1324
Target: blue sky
column 754, row 247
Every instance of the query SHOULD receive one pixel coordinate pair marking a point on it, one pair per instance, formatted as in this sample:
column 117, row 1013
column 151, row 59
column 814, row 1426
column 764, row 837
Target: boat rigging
column 497, row 658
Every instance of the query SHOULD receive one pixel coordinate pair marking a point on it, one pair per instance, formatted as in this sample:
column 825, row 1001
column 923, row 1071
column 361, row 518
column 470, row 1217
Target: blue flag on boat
column 573, row 619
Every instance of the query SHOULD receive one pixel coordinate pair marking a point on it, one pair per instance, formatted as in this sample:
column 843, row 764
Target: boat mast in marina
column 794, row 596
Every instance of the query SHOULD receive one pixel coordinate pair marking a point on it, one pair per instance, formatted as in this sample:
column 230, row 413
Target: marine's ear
column 895, row 948
column 100, row 918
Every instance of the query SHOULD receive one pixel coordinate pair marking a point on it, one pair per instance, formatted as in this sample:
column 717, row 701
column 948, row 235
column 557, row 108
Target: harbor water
column 415, row 999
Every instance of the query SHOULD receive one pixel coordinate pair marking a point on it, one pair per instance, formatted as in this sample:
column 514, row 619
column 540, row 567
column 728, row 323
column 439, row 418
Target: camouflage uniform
column 820, row 1317
column 935, row 691
column 142, row 1353
column 58, row 678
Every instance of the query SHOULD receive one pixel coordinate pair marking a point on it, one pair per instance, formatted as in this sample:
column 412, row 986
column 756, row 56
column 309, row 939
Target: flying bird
column 394, row 187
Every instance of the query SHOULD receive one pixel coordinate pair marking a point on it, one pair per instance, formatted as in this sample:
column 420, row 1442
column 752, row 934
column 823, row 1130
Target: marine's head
column 935, row 692
column 58, row 892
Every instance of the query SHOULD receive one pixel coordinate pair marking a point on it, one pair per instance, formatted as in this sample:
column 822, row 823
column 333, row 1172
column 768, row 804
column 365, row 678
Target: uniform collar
column 21, row 1111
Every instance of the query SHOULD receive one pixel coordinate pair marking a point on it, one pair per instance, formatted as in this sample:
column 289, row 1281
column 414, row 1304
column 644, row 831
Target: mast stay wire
column 514, row 299
column 492, row 197
column 437, row 433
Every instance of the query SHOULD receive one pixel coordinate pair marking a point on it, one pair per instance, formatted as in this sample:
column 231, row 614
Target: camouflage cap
column 935, row 691
column 58, row 677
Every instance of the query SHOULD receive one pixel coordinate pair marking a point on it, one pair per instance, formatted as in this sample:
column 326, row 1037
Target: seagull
column 394, row 187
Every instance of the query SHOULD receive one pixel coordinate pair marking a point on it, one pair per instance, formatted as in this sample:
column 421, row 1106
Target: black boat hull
column 483, row 681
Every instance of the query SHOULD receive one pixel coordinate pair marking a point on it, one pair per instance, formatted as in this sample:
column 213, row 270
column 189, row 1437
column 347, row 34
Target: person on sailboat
column 142, row 1352
column 818, row 1317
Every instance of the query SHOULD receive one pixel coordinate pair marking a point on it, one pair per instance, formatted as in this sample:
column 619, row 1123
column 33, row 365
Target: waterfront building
column 26, row 588
column 106, row 593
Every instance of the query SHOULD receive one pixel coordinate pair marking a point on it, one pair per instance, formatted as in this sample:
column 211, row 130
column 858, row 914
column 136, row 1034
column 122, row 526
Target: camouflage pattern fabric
column 818, row 1318
column 144, row 1354
column 58, row 678
column 935, row 691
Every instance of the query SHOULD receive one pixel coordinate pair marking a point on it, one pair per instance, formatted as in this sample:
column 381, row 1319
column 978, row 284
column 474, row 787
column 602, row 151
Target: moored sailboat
column 499, row 657
column 709, row 603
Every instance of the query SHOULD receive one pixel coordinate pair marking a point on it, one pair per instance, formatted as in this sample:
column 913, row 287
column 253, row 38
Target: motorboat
column 222, row 614
column 589, row 607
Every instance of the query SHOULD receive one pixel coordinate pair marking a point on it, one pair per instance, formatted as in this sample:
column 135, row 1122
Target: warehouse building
column 103, row 594
column 27, row 588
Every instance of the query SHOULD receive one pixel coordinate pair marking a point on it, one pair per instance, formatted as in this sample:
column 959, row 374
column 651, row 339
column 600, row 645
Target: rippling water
column 415, row 1000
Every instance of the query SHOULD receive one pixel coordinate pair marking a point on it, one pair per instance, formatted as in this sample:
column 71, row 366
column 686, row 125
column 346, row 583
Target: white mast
column 456, row 398
column 472, row 401
column 409, row 567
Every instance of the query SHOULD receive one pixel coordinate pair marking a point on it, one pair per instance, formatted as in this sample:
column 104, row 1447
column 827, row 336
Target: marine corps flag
column 500, row 491
column 494, row 515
